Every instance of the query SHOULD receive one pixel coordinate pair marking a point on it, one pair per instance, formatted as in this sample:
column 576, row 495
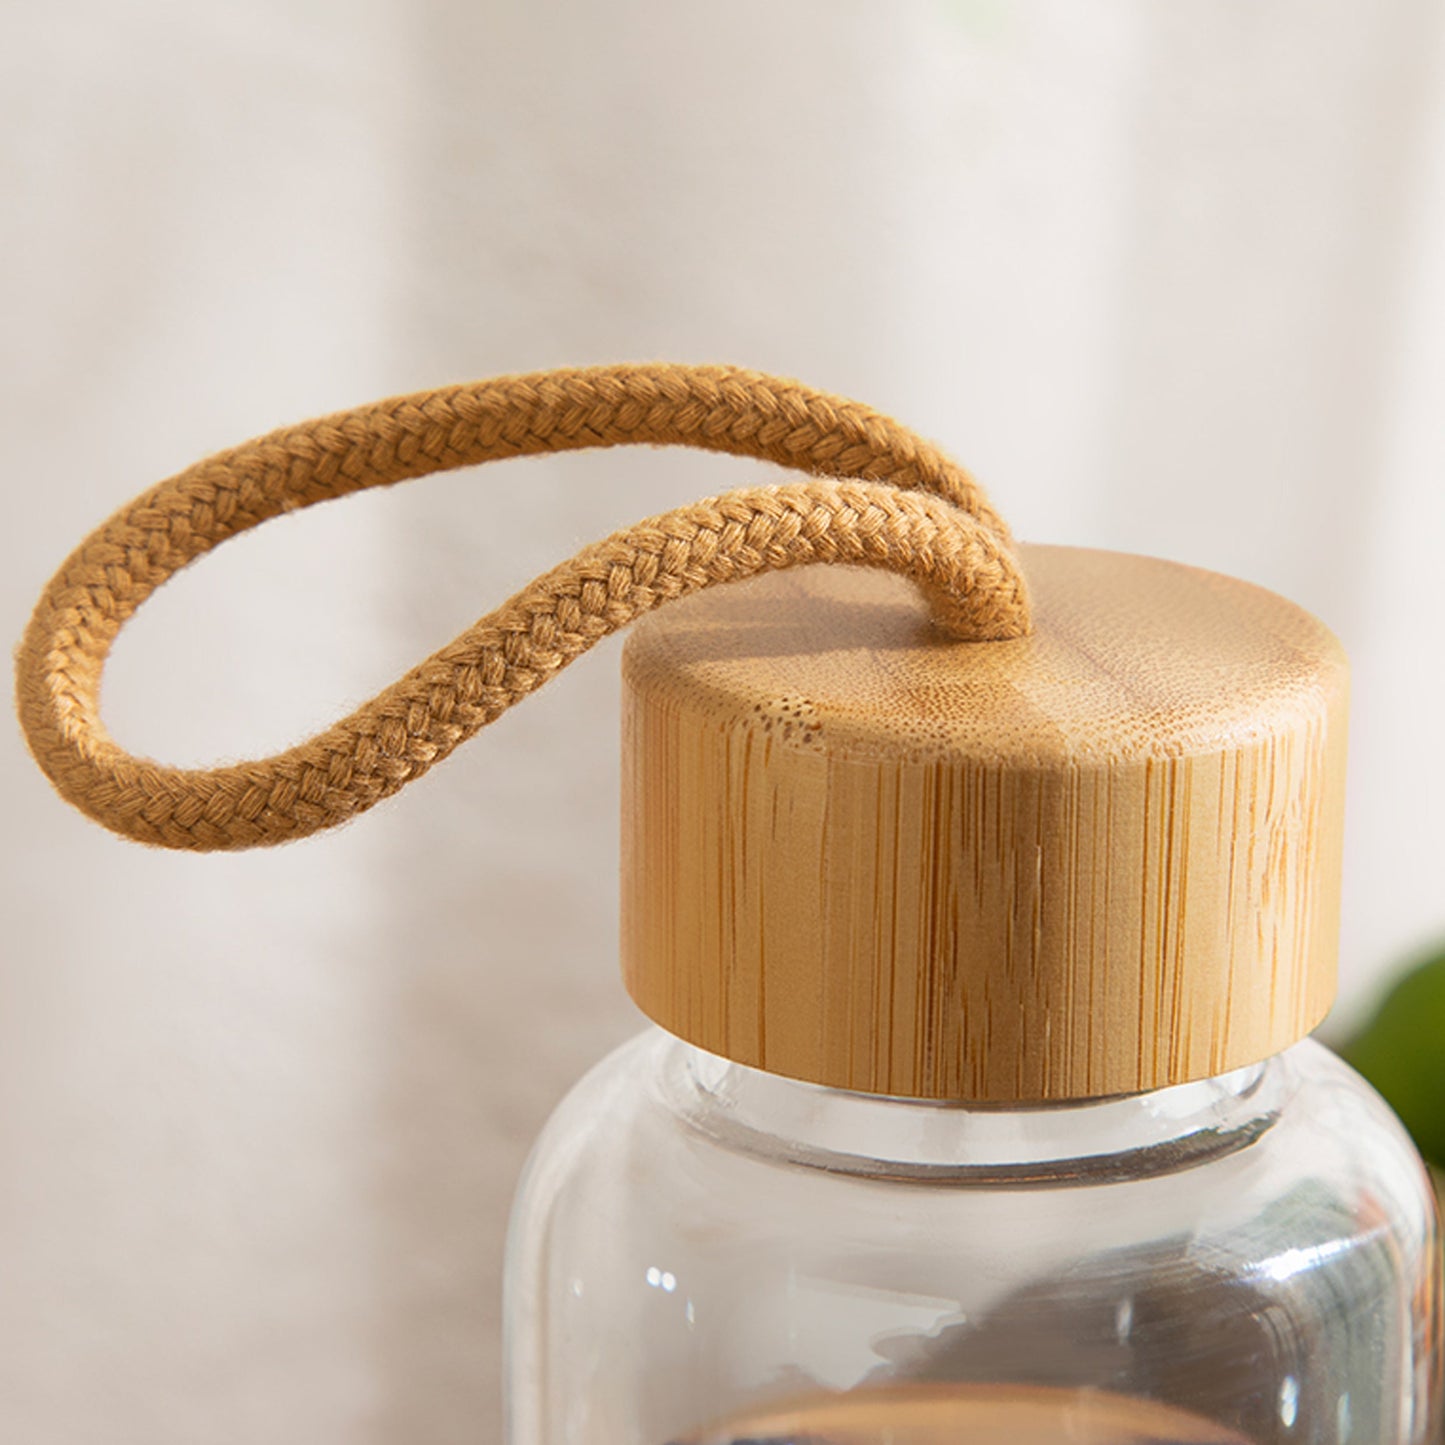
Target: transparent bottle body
column 695, row 1242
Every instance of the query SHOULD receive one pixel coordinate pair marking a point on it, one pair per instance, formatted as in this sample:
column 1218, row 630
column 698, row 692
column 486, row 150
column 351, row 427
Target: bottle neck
column 1092, row 1141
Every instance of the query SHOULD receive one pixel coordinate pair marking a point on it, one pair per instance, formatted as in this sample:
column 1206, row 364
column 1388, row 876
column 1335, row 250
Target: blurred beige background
column 1171, row 278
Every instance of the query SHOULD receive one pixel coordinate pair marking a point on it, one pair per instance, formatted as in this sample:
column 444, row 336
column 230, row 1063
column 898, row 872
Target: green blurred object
column 1401, row 1051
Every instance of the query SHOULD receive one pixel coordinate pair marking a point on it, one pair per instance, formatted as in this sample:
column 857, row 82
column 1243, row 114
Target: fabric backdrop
column 1170, row 278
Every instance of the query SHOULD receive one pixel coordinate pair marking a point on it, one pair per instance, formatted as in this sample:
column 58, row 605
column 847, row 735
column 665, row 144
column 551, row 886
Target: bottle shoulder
column 1305, row 1109
column 1298, row 1162
column 597, row 1115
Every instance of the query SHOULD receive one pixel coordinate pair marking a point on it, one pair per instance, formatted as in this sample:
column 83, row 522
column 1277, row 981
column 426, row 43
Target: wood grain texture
column 1100, row 859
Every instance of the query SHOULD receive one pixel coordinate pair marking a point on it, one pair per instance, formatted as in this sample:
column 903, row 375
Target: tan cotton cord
column 889, row 500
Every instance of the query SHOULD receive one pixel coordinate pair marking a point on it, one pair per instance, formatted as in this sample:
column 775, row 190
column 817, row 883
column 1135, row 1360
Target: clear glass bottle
column 982, row 1108
column 697, row 1242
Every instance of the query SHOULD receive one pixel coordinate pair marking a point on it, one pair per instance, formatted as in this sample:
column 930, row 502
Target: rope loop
column 879, row 496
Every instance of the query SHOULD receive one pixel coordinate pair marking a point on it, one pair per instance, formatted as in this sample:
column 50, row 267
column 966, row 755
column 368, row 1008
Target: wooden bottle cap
column 1102, row 859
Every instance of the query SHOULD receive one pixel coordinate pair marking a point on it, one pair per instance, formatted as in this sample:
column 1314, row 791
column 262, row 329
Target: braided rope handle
column 892, row 500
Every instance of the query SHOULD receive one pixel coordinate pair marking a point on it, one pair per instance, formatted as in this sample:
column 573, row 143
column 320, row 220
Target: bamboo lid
column 1101, row 859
